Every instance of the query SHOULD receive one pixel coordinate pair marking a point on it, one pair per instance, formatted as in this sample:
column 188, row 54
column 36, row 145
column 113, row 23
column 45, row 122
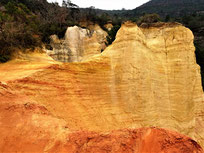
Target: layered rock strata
column 147, row 77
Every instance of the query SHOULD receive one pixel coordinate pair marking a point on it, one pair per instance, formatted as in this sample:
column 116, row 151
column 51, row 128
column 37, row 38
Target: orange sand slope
column 28, row 127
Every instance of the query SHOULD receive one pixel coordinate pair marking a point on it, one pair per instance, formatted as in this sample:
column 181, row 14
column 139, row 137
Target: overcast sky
column 106, row 4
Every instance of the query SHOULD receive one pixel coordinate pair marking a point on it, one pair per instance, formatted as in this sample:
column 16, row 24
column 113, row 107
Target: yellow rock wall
column 156, row 71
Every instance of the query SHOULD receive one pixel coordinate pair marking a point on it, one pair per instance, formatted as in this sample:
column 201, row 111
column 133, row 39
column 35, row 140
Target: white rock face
column 78, row 44
column 74, row 37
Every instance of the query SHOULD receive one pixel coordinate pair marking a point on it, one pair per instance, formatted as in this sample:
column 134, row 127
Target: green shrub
column 200, row 59
column 149, row 18
column 4, row 58
column 18, row 29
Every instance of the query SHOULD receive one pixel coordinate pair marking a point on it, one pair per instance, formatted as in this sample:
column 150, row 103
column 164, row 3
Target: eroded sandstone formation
column 78, row 44
column 108, row 26
column 156, row 69
column 148, row 77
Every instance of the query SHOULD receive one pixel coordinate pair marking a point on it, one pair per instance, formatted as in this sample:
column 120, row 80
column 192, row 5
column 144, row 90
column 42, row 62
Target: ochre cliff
column 148, row 77
column 156, row 70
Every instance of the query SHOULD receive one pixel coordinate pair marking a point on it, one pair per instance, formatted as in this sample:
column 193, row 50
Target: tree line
column 29, row 23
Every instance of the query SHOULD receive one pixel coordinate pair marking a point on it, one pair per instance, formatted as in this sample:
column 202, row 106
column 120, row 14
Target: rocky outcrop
column 78, row 44
column 148, row 77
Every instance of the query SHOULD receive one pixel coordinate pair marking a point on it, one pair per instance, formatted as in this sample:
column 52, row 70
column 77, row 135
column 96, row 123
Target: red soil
column 144, row 140
column 29, row 127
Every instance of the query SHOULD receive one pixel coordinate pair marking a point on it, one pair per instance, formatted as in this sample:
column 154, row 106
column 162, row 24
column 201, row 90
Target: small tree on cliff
column 149, row 18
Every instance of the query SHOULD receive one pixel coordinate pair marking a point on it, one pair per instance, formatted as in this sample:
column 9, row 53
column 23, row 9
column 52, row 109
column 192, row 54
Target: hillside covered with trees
column 174, row 8
column 29, row 23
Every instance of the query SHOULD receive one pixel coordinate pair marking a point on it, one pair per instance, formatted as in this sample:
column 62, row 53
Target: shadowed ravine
column 148, row 77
